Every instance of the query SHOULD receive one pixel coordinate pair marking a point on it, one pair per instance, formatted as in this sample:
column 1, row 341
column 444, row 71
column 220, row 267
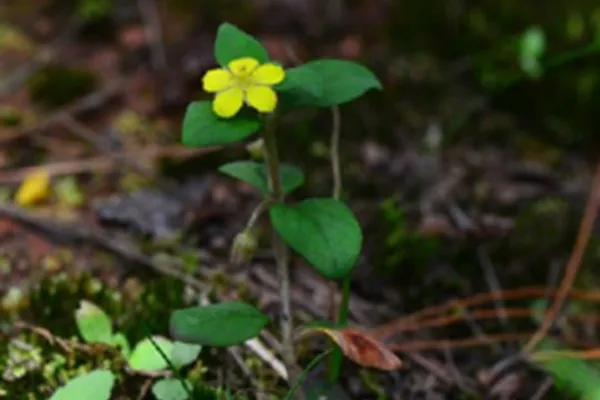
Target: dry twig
column 583, row 237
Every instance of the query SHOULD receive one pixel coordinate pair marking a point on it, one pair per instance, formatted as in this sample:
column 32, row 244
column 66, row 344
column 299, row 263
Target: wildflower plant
column 249, row 91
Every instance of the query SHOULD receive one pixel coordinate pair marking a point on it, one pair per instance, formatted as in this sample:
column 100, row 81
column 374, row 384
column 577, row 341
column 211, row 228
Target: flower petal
column 228, row 102
column 262, row 98
column 242, row 67
column 216, row 80
column 268, row 74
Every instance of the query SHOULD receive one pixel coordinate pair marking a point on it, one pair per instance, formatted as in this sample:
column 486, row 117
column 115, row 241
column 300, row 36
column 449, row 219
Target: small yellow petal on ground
column 242, row 67
column 268, row 74
column 262, row 98
column 228, row 102
column 216, row 80
column 34, row 189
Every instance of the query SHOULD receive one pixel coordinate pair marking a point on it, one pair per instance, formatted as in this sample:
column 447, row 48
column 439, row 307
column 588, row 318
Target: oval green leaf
column 232, row 43
column 302, row 87
column 202, row 127
column 340, row 81
column 95, row 385
column 324, row 231
column 93, row 323
column 217, row 325
column 255, row 174
column 183, row 354
column 171, row 389
column 146, row 358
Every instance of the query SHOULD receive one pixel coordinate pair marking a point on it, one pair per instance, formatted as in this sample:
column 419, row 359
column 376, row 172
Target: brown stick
column 583, row 237
column 422, row 345
column 400, row 324
column 488, row 314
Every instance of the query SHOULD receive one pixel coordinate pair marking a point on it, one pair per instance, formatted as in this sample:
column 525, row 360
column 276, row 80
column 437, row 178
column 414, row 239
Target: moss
column 137, row 309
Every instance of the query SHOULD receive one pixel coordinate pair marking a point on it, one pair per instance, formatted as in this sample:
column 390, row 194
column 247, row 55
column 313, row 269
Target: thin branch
column 583, row 237
column 100, row 163
column 86, row 103
column 487, row 314
column 422, row 345
column 400, row 324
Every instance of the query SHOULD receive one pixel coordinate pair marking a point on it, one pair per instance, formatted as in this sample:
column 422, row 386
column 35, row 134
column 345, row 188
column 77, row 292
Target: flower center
column 243, row 81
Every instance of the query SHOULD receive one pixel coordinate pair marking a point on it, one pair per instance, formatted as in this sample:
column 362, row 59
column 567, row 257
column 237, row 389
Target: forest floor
column 460, row 203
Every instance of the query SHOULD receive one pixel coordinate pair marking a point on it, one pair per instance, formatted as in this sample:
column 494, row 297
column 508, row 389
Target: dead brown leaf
column 360, row 348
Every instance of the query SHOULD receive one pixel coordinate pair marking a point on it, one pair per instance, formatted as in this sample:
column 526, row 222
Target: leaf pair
column 320, row 83
column 95, row 326
column 98, row 385
column 324, row 231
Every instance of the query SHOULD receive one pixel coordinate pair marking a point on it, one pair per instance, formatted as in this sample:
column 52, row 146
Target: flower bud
column 244, row 246
column 256, row 149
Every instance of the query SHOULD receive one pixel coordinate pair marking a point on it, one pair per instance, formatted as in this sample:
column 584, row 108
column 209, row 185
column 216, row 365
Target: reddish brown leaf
column 361, row 348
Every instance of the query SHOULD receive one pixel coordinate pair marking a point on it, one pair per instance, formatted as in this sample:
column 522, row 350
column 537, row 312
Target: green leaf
column 120, row 340
column 232, row 43
column 324, row 231
column 183, row 354
column 302, row 86
column 146, row 358
column 340, row 81
column 96, row 385
column 532, row 48
column 571, row 374
column 93, row 323
column 255, row 174
column 202, row 127
column 171, row 389
column 217, row 325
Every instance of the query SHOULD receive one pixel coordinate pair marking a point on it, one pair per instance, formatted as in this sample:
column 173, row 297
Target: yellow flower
column 34, row 189
column 243, row 81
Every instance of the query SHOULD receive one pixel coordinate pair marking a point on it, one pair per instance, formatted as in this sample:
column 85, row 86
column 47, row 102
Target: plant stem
column 189, row 391
column 335, row 364
column 281, row 252
column 302, row 376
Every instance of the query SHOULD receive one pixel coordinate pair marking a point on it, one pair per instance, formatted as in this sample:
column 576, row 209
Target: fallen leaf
column 34, row 189
column 360, row 348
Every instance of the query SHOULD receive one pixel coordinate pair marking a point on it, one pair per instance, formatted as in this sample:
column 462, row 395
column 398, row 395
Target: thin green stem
column 335, row 364
column 281, row 251
column 302, row 376
column 172, row 367
column 335, row 152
